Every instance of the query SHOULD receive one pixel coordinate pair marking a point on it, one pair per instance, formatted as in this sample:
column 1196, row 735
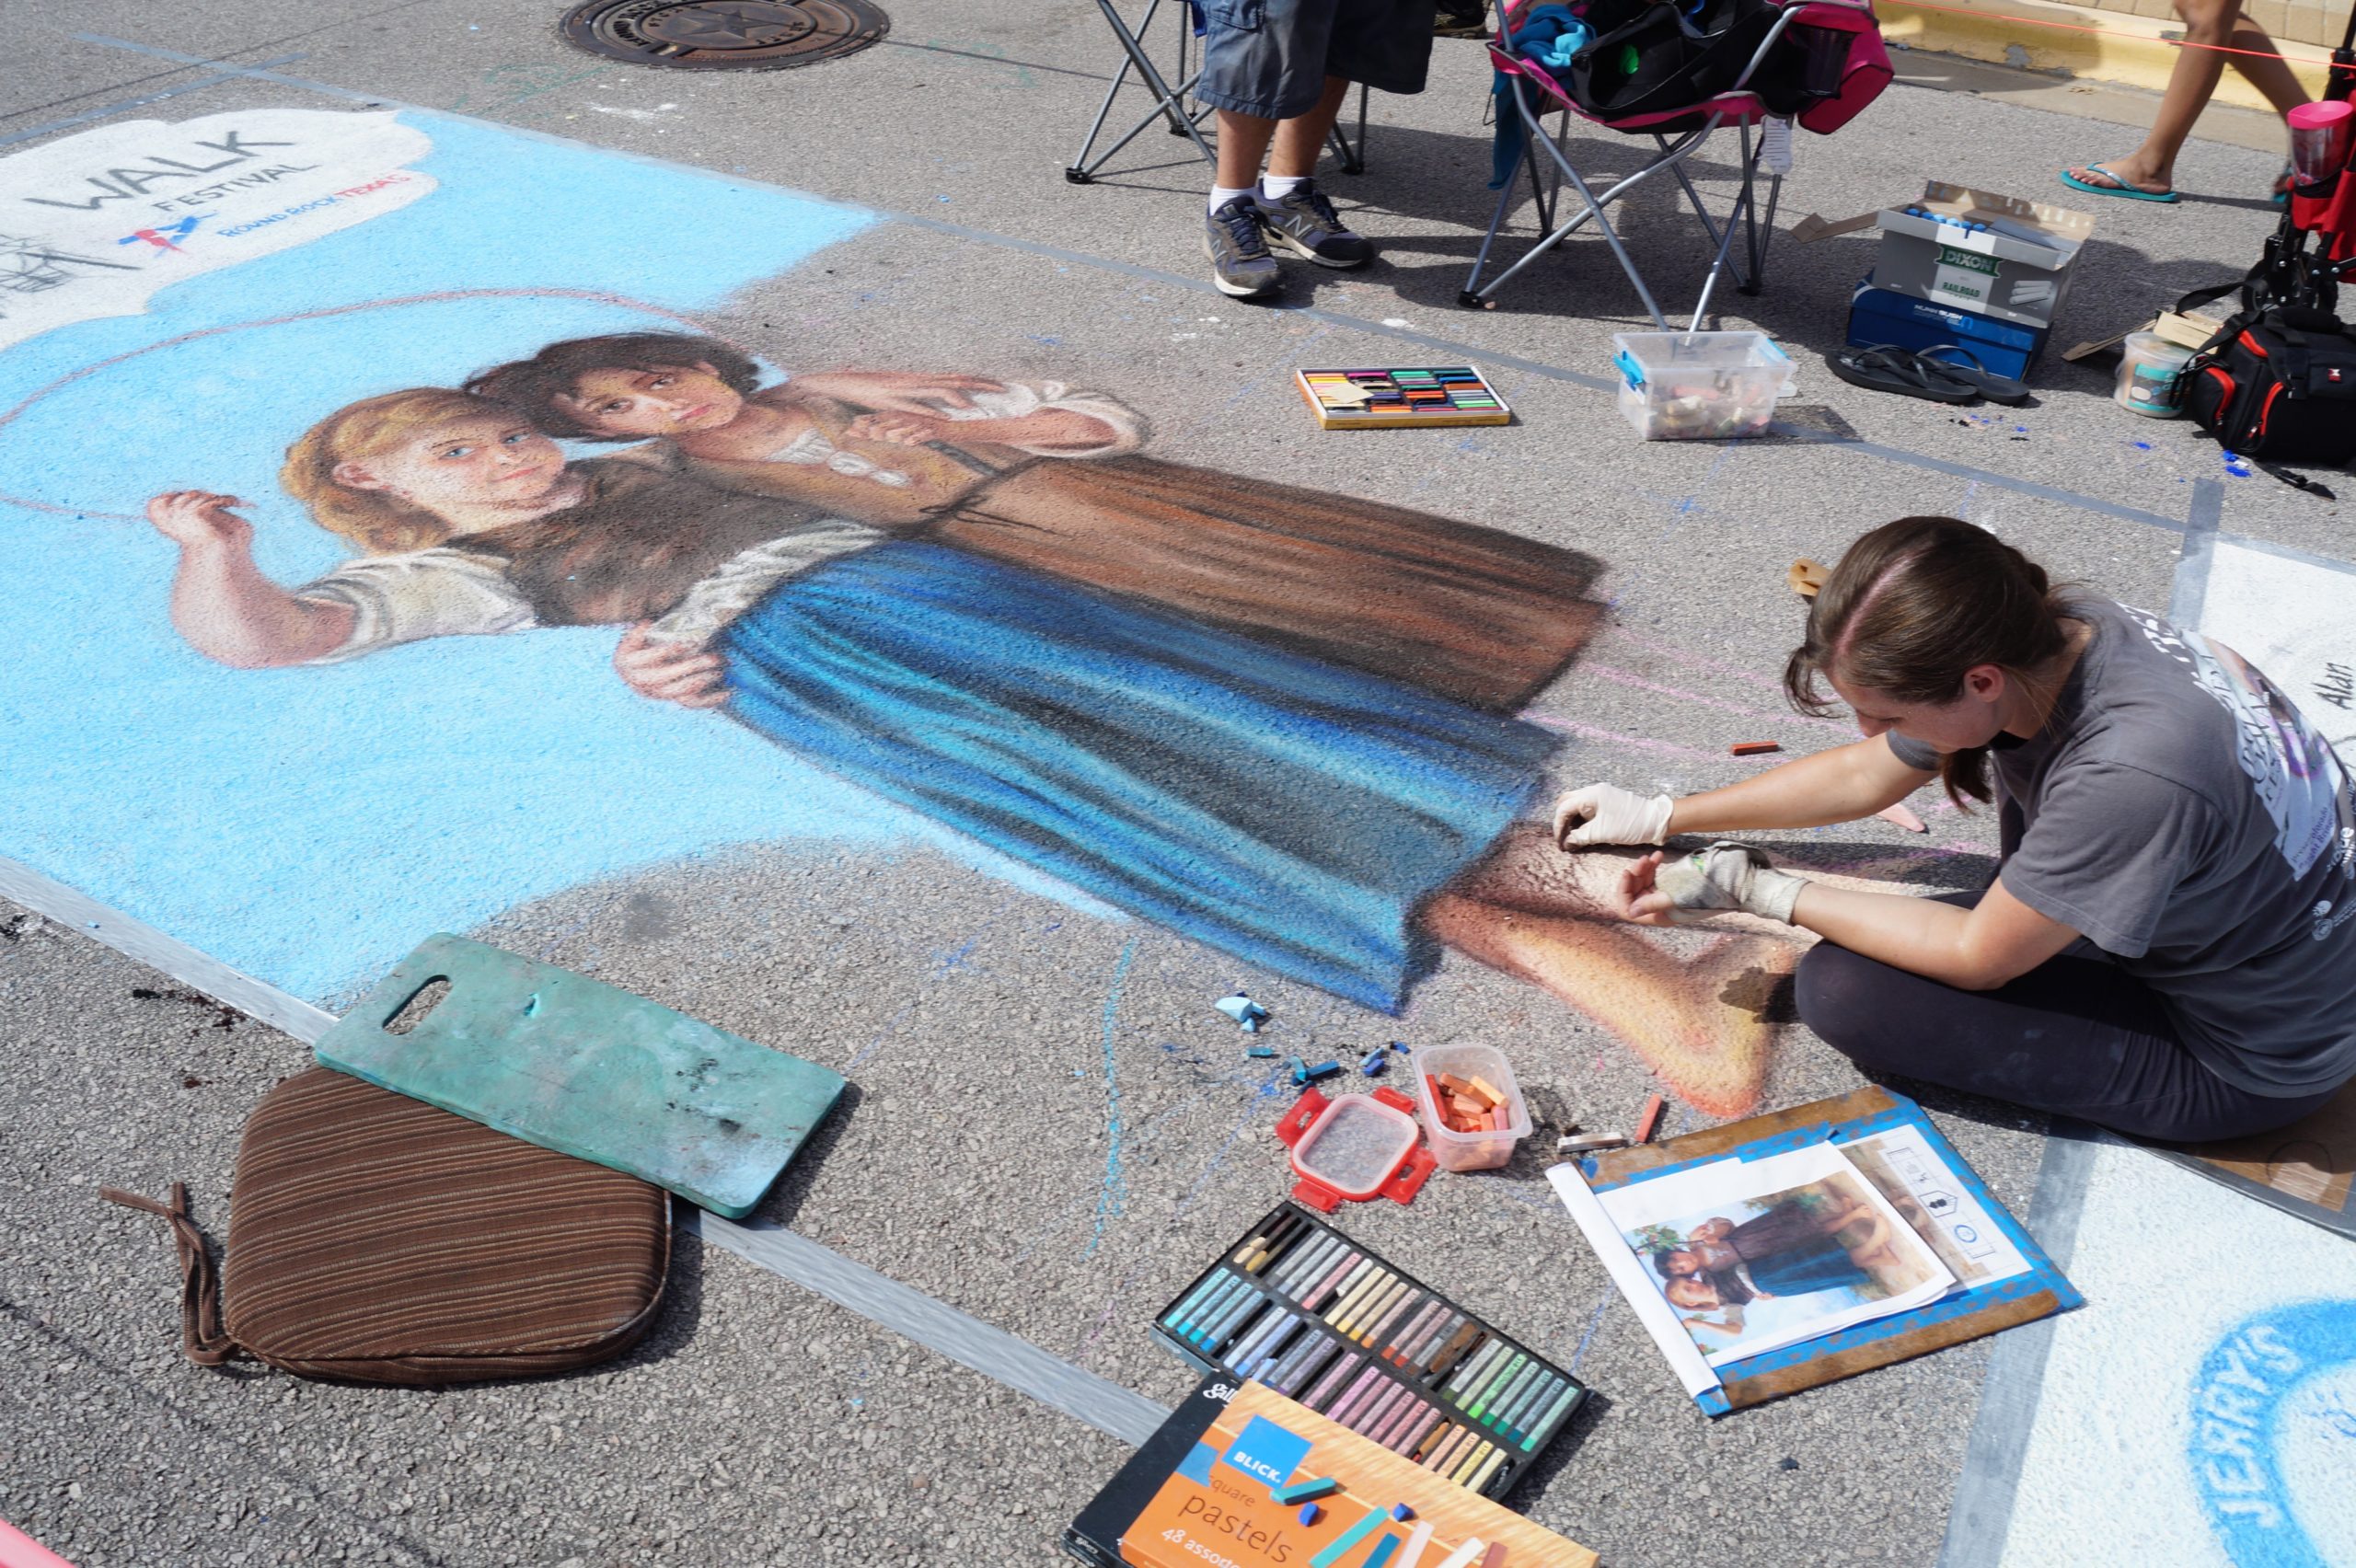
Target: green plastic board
column 585, row 1068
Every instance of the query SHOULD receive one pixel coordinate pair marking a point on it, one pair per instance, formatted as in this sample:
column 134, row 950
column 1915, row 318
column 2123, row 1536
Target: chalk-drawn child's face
column 468, row 462
column 668, row 400
column 1696, row 1295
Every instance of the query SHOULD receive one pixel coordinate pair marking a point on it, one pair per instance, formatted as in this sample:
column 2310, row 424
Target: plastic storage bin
column 1700, row 386
column 1470, row 1152
column 1354, row 1147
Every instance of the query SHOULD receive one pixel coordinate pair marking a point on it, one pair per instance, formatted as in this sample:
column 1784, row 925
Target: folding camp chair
column 1851, row 76
column 1169, row 102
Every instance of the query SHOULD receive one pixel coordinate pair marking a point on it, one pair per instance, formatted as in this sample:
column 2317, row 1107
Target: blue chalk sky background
column 307, row 826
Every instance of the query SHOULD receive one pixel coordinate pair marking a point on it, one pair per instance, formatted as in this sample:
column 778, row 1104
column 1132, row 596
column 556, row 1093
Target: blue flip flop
column 2120, row 188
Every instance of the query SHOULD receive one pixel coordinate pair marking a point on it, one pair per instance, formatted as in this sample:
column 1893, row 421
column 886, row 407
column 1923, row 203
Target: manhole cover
column 725, row 35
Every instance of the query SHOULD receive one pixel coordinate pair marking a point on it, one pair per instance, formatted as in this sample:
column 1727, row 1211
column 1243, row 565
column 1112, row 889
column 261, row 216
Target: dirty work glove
column 1728, row 876
column 1605, row 813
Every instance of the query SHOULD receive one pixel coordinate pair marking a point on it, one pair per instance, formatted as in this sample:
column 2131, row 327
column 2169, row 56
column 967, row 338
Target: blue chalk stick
column 1350, row 1538
column 1307, row 1515
column 1401, row 1512
column 1263, row 1051
column 1322, row 1070
column 1374, row 1065
column 1303, row 1490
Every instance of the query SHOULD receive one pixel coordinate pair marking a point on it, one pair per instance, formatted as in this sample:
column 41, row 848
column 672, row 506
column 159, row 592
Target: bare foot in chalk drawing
column 1700, row 1006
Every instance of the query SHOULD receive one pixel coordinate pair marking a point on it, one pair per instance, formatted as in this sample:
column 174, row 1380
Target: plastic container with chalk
column 1471, row 1152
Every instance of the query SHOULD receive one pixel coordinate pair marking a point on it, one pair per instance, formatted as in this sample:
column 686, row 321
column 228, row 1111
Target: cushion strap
column 200, row 1332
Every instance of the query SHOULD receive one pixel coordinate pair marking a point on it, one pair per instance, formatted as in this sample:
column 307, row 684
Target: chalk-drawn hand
column 894, row 391
column 1605, row 813
column 900, row 429
column 1640, row 900
column 667, row 672
column 194, row 519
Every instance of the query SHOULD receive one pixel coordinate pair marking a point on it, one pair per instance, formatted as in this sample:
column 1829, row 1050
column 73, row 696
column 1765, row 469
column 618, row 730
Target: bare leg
column 2220, row 23
column 1697, row 1019
column 1692, row 1004
column 1242, row 143
column 1301, row 139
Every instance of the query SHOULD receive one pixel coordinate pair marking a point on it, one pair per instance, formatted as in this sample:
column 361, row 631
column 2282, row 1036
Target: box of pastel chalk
column 1326, row 1322
column 1401, row 398
column 1240, row 1475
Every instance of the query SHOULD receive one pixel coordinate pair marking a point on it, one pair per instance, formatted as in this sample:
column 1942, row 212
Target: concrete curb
column 2073, row 41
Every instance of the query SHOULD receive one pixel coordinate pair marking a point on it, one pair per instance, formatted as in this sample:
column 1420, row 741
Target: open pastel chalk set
column 1322, row 1320
column 1395, row 400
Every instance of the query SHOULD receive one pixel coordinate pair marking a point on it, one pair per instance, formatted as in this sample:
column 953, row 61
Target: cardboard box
column 2017, row 269
column 1878, row 315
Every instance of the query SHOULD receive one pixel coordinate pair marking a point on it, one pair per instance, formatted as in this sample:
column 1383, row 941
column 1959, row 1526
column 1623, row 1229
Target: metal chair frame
column 1736, row 105
column 1169, row 102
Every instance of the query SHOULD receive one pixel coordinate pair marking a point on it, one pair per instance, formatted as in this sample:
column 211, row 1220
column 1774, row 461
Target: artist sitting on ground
column 2169, row 946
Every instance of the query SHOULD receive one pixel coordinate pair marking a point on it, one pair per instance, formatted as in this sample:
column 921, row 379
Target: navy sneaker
column 1304, row 221
column 1240, row 264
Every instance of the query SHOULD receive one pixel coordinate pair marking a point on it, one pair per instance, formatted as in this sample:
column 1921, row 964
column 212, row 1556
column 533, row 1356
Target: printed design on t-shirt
column 2298, row 779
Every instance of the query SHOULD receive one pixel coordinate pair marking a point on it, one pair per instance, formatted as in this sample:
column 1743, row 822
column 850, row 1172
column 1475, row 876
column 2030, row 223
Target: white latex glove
column 1605, row 813
column 1729, row 876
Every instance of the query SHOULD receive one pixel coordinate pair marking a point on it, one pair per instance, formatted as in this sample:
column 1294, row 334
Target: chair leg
column 1726, row 241
column 1166, row 101
column 1468, row 296
column 1766, row 234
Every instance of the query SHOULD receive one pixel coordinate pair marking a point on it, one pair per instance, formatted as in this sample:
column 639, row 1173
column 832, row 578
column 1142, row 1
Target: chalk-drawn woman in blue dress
column 1317, row 820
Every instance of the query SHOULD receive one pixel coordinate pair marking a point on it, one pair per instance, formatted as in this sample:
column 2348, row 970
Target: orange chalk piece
column 1487, row 1093
column 1650, row 1120
column 1755, row 748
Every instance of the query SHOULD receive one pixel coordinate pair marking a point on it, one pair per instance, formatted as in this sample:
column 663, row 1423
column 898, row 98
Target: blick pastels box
column 1326, row 1322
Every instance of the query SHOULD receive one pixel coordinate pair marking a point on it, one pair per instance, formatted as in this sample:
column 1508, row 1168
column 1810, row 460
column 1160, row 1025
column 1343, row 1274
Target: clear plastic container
column 1356, row 1145
column 2320, row 134
column 2151, row 375
column 1700, row 386
column 1470, row 1152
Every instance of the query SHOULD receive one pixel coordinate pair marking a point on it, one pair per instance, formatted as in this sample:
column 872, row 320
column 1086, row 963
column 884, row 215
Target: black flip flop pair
column 1912, row 373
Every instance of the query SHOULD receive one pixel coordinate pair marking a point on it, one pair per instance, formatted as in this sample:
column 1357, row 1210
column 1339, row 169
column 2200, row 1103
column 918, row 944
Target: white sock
column 1276, row 187
column 1221, row 195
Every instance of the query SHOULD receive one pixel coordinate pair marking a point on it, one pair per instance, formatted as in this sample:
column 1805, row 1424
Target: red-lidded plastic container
column 1354, row 1149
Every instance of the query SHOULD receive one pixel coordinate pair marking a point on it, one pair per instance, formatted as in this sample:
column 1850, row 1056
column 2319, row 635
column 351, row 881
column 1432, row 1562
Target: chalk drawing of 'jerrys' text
column 2257, row 1402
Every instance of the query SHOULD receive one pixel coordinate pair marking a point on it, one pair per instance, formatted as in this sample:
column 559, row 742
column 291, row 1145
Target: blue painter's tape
column 2245, row 1385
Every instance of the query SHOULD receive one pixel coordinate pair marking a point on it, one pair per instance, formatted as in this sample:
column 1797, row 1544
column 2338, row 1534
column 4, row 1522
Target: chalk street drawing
column 961, row 603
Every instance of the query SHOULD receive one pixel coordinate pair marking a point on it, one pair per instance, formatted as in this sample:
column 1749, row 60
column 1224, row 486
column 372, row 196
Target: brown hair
column 377, row 521
column 1914, row 607
column 535, row 384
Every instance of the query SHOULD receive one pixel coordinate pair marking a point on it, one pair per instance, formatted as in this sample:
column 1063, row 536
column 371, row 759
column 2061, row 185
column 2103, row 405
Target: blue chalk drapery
column 1283, row 810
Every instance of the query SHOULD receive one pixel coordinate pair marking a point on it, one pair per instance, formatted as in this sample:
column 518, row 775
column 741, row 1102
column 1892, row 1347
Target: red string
column 2105, row 32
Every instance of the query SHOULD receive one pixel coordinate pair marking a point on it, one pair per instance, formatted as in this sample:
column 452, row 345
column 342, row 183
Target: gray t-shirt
column 2178, row 811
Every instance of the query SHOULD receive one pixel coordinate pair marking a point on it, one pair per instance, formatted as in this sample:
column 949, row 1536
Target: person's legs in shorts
column 1279, row 72
column 2076, row 1036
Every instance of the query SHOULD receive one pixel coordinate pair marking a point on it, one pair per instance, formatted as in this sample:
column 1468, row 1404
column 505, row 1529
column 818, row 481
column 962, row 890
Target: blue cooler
column 1881, row 316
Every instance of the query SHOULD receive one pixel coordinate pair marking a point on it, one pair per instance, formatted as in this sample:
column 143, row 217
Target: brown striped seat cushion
column 374, row 1239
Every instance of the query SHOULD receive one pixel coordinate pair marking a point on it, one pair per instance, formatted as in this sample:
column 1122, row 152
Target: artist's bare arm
column 1846, row 784
column 222, row 603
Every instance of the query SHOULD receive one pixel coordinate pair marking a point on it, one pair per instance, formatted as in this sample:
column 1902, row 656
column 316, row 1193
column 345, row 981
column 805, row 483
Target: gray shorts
column 1270, row 58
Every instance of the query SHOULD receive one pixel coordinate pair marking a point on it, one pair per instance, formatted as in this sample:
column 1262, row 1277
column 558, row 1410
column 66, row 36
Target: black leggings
column 2073, row 1035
